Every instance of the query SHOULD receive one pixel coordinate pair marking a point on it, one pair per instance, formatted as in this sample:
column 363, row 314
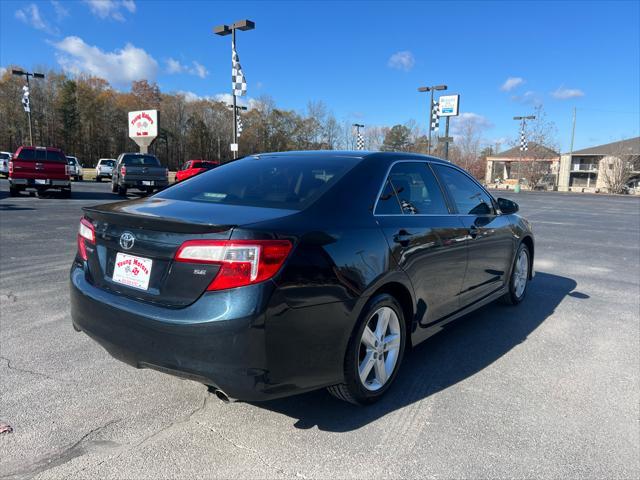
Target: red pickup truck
column 40, row 169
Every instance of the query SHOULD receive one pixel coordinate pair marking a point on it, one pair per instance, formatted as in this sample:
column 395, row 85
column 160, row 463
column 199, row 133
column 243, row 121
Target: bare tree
column 618, row 168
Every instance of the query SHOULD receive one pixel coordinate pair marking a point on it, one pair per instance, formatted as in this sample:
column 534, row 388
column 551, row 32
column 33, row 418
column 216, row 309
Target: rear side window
column 276, row 182
column 469, row 197
column 146, row 160
column 201, row 165
column 27, row 154
column 411, row 189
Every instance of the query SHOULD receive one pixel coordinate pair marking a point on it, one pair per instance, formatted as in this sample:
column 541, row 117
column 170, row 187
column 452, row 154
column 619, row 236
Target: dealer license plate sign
column 147, row 182
column 132, row 271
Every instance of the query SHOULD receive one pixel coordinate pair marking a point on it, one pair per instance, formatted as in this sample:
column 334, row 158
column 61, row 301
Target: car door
column 490, row 239
column 426, row 241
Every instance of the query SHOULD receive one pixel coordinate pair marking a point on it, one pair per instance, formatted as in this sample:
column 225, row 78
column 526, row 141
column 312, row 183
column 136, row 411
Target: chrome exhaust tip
column 221, row 395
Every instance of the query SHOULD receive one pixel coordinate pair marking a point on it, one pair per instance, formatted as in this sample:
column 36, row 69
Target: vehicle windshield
column 202, row 165
column 277, row 182
column 41, row 155
column 146, row 160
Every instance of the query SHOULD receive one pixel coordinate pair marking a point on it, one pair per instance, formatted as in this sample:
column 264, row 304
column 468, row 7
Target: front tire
column 519, row 277
column 374, row 352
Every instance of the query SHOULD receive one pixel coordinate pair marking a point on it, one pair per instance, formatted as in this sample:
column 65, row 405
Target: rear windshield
column 41, row 155
column 5, row 156
column 202, row 165
column 72, row 160
column 275, row 182
column 133, row 160
column 108, row 163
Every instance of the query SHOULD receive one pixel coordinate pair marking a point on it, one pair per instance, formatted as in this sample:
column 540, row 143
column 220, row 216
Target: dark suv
column 40, row 169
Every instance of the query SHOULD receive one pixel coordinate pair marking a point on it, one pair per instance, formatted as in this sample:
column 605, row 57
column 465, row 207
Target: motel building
column 504, row 168
column 587, row 170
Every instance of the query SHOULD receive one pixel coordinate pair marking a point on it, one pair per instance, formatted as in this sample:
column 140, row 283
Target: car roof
column 48, row 149
column 358, row 154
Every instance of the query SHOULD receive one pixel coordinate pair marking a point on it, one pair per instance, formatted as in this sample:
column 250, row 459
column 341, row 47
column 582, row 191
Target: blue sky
column 363, row 59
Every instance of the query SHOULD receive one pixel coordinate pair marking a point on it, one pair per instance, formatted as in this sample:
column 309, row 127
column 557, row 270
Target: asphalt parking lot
column 547, row 389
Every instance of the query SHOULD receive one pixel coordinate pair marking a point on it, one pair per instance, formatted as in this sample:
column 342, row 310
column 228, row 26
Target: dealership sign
column 449, row 105
column 143, row 127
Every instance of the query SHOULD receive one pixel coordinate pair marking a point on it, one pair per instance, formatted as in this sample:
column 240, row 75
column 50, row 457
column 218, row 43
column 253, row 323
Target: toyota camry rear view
column 287, row 272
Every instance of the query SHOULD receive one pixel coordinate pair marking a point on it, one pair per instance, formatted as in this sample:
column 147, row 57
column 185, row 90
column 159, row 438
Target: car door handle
column 402, row 237
column 473, row 231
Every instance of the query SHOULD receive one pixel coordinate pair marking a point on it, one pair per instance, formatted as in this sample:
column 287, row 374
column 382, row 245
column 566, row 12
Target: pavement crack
column 25, row 370
column 239, row 446
column 48, row 462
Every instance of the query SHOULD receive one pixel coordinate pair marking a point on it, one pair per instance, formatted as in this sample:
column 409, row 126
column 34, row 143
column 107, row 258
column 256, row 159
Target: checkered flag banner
column 238, row 82
column 435, row 116
column 25, row 99
column 239, row 124
column 359, row 141
column 524, row 145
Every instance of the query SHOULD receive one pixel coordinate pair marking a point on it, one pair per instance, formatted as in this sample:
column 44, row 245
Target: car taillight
column 242, row 262
column 86, row 233
column 10, row 168
column 166, row 172
column 66, row 169
column 123, row 170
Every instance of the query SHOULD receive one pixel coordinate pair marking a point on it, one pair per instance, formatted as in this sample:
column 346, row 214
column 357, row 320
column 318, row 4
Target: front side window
column 469, row 197
column 411, row 189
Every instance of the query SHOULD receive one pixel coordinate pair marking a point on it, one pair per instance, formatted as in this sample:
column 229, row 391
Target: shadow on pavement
column 467, row 346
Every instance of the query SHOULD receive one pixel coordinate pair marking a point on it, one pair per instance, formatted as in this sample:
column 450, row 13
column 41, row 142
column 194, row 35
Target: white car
column 75, row 169
column 104, row 169
column 5, row 158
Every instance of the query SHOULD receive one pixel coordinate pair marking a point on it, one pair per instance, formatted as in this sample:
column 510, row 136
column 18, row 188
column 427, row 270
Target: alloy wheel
column 379, row 348
column 521, row 273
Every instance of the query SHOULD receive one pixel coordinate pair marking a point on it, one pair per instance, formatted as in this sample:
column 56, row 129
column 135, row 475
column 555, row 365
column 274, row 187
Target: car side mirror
column 507, row 207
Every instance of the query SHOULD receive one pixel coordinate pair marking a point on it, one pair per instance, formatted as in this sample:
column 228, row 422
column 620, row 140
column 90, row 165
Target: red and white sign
column 143, row 127
column 132, row 271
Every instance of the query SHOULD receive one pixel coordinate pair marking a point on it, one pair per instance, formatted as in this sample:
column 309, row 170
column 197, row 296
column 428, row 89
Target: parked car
column 138, row 170
column 5, row 158
column 39, row 169
column 104, row 169
column 546, row 183
column 282, row 273
column 75, row 169
column 194, row 167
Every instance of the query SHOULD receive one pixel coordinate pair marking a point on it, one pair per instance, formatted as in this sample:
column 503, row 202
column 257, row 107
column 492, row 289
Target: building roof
column 536, row 151
column 630, row 146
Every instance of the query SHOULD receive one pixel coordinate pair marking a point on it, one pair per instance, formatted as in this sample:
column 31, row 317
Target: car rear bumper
column 39, row 183
column 221, row 340
column 140, row 183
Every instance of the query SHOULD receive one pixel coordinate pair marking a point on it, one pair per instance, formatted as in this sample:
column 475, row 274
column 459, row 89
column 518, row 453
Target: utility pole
column 27, row 75
column 431, row 89
column 223, row 30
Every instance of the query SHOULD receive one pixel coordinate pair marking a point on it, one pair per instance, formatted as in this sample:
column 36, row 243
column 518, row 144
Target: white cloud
column 469, row 120
column 3, row 70
column 225, row 98
column 403, row 60
column 111, row 8
column 511, row 83
column 120, row 66
column 31, row 16
column 199, row 70
column 562, row 93
column 174, row 66
column 61, row 11
column 528, row 98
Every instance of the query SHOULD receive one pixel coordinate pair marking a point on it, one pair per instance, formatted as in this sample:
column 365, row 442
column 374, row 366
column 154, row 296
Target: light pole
column 223, row 30
column 34, row 75
column 431, row 89
column 523, row 123
column 359, row 144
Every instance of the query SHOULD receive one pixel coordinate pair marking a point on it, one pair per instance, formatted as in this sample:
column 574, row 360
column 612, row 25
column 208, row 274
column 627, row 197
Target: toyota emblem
column 127, row 240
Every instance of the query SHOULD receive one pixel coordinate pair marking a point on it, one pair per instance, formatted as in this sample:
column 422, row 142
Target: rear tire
column 14, row 191
column 98, row 179
column 374, row 352
column 122, row 191
column 114, row 188
column 66, row 193
column 520, row 272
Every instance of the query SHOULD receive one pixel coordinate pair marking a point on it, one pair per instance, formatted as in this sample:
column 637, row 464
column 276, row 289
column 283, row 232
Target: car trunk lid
column 158, row 227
